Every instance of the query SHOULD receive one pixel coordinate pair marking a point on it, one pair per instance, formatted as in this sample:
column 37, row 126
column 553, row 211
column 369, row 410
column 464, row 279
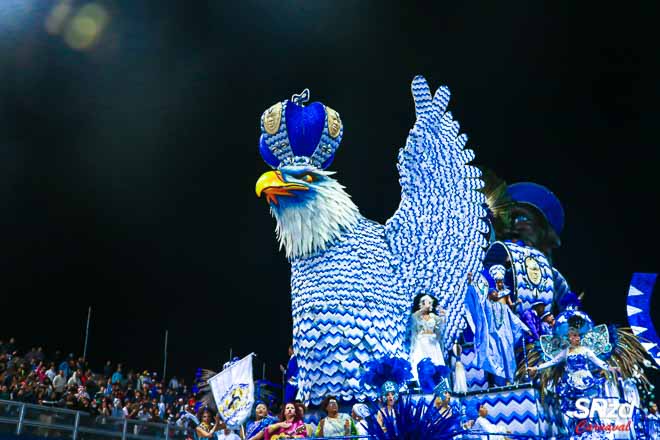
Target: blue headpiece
column 570, row 300
column 572, row 318
column 497, row 272
column 390, row 387
column 542, row 199
column 295, row 135
column 387, row 373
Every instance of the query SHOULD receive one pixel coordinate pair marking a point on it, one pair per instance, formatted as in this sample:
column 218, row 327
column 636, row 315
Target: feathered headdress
column 432, row 376
column 414, row 421
column 386, row 374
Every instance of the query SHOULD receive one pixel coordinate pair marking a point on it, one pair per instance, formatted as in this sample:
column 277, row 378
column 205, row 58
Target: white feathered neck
column 307, row 228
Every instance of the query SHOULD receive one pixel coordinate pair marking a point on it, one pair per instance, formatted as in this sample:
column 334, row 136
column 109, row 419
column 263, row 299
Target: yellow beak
column 272, row 184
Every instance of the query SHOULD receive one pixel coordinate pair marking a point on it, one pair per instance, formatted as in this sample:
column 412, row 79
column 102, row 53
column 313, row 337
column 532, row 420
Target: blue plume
column 570, row 299
column 413, row 421
column 472, row 411
column 379, row 371
column 430, row 375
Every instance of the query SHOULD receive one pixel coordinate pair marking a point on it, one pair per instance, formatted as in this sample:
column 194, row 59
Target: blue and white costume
column 577, row 380
column 291, row 378
column 426, row 340
column 497, row 329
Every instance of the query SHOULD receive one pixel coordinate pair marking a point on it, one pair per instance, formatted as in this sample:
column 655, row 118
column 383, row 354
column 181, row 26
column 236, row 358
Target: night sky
column 127, row 170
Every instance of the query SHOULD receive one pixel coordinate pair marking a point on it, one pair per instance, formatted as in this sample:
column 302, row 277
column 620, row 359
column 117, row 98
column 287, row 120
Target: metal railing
column 45, row 421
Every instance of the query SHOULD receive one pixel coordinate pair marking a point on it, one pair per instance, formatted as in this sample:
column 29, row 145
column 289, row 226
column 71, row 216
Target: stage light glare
column 14, row 14
column 84, row 30
column 57, row 17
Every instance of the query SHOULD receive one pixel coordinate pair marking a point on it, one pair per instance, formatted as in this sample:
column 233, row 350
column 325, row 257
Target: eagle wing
column 437, row 234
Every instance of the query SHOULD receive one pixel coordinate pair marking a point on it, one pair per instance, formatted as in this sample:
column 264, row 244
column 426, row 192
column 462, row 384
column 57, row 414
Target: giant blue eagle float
column 459, row 275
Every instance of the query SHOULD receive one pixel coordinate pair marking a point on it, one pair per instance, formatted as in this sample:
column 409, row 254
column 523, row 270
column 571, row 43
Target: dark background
column 127, row 170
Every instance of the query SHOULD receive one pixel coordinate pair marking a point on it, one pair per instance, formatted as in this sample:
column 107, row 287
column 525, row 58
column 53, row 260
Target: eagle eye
column 308, row 178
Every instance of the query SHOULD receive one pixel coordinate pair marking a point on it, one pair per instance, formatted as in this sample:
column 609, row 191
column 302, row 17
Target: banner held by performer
column 233, row 392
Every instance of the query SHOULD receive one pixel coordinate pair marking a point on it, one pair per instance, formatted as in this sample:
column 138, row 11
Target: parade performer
column 446, row 406
column 255, row 429
column 206, row 428
column 532, row 318
column 482, row 424
column 290, row 377
column 359, row 413
column 501, row 293
column 352, row 279
column 290, row 425
column 565, row 357
column 458, row 370
column 425, row 330
column 388, row 375
column 547, row 323
column 577, row 380
column 335, row 424
column 497, row 330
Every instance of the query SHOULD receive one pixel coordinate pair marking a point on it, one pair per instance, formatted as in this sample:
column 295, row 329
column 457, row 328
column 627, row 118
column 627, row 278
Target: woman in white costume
column 426, row 328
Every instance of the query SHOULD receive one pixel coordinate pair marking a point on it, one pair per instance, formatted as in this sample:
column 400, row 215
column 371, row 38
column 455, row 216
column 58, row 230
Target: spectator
column 31, row 355
column 107, row 369
column 59, row 382
column 4, row 392
column 51, row 372
column 227, row 434
column 207, row 429
column 359, row 413
column 336, row 423
column 74, row 380
column 117, row 409
column 64, row 367
column 174, row 384
column 118, row 377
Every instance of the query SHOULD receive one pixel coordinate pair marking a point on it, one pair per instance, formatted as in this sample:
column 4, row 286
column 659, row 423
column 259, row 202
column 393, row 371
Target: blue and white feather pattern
column 438, row 232
column 346, row 311
column 352, row 279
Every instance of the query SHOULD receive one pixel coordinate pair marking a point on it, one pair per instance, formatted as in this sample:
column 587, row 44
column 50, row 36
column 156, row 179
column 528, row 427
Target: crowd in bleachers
column 67, row 381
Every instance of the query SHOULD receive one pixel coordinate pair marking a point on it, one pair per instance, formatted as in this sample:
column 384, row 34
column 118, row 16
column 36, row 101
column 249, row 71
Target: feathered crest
column 498, row 201
column 413, row 421
column 386, row 369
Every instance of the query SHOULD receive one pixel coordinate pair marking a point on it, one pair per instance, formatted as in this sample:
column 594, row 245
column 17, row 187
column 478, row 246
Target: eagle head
column 311, row 208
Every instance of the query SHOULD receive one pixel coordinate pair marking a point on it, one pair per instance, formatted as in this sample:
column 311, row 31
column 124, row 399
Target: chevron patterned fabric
column 638, row 308
column 476, row 377
column 519, row 411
